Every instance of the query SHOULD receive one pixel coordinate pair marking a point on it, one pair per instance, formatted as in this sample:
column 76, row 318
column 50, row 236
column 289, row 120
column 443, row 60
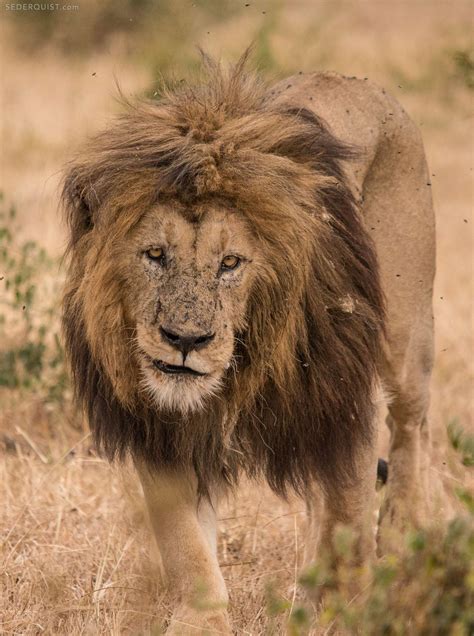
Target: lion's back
column 358, row 111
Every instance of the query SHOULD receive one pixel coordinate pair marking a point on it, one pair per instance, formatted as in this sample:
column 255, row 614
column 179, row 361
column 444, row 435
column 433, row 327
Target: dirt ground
column 75, row 545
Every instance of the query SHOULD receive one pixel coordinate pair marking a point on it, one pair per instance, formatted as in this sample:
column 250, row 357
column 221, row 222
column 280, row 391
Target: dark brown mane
column 299, row 406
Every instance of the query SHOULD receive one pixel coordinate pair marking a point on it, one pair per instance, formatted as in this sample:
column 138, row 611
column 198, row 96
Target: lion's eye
column 156, row 253
column 230, row 262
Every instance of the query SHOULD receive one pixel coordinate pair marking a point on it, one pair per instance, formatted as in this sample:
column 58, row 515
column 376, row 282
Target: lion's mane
column 299, row 406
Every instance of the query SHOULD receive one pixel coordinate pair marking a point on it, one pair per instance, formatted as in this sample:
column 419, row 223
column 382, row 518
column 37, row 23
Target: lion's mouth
column 174, row 369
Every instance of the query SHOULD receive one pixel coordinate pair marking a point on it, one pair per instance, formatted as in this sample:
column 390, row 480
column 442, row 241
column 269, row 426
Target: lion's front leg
column 185, row 530
column 346, row 506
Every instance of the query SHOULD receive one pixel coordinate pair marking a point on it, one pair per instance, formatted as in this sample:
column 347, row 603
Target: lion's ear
column 78, row 205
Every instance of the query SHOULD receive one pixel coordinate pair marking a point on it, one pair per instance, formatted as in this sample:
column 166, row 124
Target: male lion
column 246, row 264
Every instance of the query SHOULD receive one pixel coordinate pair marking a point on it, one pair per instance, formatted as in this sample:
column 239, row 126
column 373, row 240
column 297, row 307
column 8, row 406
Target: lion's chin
column 182, row 393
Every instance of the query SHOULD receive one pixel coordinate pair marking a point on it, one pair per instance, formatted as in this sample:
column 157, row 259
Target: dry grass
column 76, row 550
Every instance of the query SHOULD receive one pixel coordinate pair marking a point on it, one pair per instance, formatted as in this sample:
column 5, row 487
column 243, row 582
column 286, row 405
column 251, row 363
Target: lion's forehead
column 200, row 239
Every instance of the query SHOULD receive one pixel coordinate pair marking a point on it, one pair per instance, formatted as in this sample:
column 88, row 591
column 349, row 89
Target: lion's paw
column 424, row 506
column 396, row 517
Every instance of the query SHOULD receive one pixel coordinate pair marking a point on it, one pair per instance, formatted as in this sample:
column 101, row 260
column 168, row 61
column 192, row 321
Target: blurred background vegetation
column 58, row 83
column 162, row 35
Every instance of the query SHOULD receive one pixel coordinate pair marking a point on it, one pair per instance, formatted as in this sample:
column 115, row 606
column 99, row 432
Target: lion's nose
column 186, row 342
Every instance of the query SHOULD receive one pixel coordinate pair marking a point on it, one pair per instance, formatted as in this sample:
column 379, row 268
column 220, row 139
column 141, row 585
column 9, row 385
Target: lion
column 246, row 265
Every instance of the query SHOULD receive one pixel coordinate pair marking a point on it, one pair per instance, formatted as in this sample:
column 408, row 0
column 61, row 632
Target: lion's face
column 188, row 280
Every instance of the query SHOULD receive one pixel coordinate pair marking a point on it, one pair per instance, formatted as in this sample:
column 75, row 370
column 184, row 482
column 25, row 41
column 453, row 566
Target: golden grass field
column 77, row 557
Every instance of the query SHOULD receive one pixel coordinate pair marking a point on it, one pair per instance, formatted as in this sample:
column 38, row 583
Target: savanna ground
column 76, row 552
